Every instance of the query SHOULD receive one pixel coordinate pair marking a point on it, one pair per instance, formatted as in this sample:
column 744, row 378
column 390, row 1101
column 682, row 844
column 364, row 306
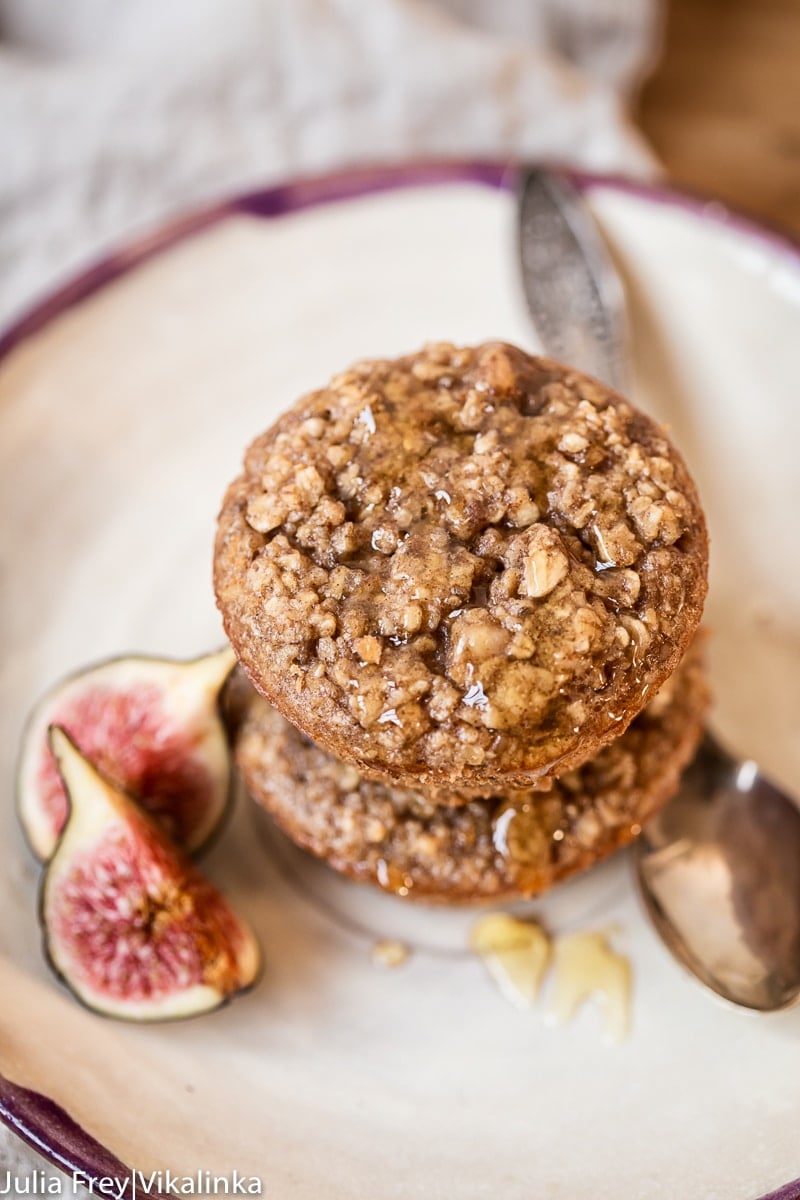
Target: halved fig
column 153, row 727
column 130, row 924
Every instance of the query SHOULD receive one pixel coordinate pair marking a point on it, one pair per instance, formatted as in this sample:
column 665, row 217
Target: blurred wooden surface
column 723, row 108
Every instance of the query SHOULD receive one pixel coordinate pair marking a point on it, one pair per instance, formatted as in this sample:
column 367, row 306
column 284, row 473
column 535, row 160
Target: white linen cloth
column 115, row 115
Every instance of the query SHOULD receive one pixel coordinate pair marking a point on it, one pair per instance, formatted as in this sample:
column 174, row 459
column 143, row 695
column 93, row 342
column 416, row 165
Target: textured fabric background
column 115, row 115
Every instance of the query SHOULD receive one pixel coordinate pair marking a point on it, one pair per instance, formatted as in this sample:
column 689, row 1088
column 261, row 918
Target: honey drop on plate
column 586, row 966
column 514, row 952
column 389, row 952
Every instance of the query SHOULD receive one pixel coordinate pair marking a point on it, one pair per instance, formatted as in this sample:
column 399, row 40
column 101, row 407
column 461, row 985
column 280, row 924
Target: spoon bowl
column 719, row 872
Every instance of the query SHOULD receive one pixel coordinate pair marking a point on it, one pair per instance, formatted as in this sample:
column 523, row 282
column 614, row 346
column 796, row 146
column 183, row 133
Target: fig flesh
column 130, row 925
column 153, row 727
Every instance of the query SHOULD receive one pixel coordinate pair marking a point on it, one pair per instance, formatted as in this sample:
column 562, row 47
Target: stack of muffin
column 465, row 584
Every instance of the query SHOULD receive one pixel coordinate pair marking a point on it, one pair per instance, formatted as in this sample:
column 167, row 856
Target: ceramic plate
column 125, row 404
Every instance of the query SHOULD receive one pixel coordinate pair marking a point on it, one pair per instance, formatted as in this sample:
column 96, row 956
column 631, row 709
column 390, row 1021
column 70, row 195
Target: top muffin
column 467, row 565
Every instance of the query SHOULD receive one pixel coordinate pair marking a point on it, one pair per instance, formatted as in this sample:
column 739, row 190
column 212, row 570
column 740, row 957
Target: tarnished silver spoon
column 719, row 867
column 719, row 870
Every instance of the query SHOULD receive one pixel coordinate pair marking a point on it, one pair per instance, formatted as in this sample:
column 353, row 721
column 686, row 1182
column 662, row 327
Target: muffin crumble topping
column 468, row 563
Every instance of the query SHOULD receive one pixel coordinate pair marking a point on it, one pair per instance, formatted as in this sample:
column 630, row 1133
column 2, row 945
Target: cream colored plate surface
column 120, row 424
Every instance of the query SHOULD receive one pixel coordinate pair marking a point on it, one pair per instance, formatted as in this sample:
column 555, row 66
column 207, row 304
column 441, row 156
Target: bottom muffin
column 506, row 846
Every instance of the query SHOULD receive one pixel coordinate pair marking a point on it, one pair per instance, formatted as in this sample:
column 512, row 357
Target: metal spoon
column 719, row 867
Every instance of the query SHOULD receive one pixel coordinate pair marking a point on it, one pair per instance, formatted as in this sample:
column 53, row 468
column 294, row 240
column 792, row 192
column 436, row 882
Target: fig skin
column 166, row 744
column 176, row 921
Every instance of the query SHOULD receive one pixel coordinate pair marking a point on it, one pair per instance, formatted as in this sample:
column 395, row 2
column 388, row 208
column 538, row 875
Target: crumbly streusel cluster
column 468, row 849
column 466, row 570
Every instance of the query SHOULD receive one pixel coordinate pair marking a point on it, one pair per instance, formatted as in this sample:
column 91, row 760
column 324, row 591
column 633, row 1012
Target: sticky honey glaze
column 585, row 967
column 524, row 831
column 518, row 953
column 389, row 952
column 515, row 953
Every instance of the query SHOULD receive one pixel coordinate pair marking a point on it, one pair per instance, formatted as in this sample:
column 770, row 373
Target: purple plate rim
column 34, row 1117
column 53, row 1133
column 284, row 199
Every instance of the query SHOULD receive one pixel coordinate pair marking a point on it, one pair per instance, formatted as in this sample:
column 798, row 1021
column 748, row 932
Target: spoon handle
column 572, row 288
